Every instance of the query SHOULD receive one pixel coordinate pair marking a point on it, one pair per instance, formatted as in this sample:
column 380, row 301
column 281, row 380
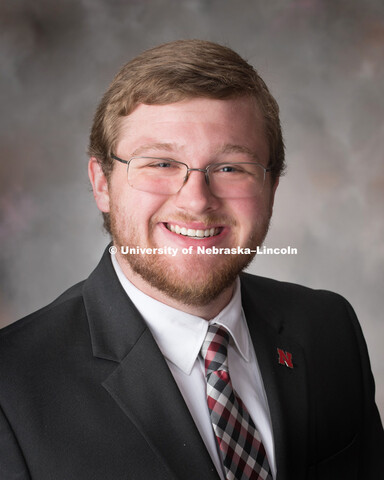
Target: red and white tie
column 241, row 449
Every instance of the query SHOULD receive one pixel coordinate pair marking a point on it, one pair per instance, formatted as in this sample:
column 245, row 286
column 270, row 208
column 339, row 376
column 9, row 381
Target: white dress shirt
column 180, row 336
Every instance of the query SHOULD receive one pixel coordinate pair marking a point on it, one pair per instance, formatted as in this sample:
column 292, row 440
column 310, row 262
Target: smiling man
column 168, row 363
column 221, row 196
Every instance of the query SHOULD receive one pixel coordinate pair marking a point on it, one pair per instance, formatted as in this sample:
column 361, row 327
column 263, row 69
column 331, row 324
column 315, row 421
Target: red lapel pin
column 285, row 358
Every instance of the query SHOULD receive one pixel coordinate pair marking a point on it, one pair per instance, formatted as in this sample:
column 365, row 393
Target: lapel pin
column 285, row 358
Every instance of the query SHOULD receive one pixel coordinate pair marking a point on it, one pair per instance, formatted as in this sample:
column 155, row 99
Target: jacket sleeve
column 372, row 433
column 12, row 463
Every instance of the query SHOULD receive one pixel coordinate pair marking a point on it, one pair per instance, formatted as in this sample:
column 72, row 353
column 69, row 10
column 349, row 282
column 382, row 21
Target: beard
column 191, row 280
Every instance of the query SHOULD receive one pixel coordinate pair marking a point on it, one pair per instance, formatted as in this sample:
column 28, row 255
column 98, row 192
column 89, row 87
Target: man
column 167, row 362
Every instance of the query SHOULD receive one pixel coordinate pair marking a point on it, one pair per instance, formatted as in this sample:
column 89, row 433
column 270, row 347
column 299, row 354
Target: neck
column 208, row 311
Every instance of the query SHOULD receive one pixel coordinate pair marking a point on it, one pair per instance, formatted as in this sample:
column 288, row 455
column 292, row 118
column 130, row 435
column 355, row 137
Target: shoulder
column 44, row 327
column 321, row 322
column 286, row 292
column 66, row 300
column 299, row 310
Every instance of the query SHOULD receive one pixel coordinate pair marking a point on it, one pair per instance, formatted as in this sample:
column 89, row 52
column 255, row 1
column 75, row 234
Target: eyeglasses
column 166, row 176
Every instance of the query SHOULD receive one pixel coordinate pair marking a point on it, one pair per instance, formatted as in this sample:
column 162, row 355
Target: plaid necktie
column 241, row 449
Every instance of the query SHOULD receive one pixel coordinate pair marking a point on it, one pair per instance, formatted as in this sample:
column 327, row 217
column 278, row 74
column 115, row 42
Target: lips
column 192, row 232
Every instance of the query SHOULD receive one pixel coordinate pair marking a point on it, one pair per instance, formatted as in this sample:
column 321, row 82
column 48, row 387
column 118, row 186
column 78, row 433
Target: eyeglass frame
column 203, row 170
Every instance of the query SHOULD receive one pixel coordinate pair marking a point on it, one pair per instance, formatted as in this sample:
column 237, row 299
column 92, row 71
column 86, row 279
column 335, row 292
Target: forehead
column 194, row 123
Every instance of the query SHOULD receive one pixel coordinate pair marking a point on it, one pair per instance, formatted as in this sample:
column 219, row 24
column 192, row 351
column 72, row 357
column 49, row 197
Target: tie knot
column 215, row 349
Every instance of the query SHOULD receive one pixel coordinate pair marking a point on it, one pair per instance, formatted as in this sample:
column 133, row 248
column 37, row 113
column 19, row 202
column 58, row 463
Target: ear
column 99, row 184
column 274, row 187
column 272, row 193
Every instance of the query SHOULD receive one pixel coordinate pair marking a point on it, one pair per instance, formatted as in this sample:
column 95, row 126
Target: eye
column 161, row 164
column 158, row 166
column 229, row 168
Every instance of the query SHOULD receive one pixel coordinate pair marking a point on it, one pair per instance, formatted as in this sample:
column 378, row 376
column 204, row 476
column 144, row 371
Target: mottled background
column 322, row 59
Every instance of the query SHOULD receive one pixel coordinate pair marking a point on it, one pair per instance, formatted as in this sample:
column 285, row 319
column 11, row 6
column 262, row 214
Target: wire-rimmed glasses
column 167, row 176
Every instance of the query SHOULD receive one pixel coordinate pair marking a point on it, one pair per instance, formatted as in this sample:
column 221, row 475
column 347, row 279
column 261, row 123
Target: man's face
column 197, row 132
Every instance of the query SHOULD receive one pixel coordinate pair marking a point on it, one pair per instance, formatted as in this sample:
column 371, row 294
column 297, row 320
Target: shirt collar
column 180, row 335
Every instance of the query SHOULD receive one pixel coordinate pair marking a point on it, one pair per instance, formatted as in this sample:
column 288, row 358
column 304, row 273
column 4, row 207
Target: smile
column 192, row 233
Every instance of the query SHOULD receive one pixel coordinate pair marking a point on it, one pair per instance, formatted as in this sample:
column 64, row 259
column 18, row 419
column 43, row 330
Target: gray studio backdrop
column 322, row 59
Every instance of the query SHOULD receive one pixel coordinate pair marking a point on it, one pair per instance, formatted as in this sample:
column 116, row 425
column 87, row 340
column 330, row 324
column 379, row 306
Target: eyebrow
column 168, row 147
column 171, row 147
column 231, row 148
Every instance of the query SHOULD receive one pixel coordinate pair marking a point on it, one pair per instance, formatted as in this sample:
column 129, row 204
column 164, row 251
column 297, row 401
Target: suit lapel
column 286, row 387
column 142, row 384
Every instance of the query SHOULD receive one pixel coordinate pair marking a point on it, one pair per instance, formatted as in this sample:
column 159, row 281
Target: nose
column 195, row 195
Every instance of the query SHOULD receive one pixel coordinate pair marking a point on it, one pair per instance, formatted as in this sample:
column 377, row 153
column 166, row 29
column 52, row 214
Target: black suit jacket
column 85, row 393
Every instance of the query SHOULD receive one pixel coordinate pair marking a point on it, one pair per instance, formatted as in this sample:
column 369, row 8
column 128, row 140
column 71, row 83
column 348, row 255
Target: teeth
column 191, row 232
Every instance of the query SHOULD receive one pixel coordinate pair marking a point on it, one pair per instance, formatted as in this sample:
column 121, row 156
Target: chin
column 197, row 285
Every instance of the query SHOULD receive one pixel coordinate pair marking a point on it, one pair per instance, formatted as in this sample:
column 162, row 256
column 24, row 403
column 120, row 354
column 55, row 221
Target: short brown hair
column 176, row 71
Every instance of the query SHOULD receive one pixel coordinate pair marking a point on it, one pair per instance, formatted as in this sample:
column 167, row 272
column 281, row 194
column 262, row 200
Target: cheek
column 251, row 213
column 246, row 210
column 135, row 209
